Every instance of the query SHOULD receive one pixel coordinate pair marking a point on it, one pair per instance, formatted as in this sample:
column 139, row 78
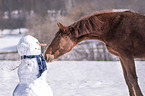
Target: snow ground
column 77, row 78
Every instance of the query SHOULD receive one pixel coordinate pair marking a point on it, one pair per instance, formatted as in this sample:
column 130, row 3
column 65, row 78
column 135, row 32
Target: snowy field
column 77, row 78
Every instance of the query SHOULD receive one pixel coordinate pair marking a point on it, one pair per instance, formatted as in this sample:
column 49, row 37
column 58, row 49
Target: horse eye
column 72, row 29
column 59, row 39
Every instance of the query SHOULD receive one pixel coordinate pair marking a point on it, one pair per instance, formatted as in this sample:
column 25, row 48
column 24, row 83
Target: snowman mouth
column 37, row 49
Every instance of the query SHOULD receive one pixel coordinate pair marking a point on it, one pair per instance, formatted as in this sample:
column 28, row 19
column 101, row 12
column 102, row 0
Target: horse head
column 67, row 37
column 62, row 43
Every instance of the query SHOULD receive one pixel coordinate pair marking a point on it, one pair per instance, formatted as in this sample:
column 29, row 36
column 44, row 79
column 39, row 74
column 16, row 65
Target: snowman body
column 29, row 83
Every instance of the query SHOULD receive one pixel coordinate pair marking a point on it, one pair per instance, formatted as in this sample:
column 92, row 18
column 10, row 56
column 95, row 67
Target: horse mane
column 86, row 25
column 90, row 24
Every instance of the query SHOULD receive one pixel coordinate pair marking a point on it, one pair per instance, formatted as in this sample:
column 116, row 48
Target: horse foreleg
column 129, row 71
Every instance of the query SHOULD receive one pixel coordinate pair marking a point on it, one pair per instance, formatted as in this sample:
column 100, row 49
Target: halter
column 41, row 63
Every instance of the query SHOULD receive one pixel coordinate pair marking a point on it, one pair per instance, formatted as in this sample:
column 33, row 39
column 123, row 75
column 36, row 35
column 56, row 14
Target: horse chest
column 136, row 50
column 119, row 47
column 139, row 52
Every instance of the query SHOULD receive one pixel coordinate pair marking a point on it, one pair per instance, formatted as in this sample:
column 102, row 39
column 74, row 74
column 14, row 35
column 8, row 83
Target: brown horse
column 122, row 32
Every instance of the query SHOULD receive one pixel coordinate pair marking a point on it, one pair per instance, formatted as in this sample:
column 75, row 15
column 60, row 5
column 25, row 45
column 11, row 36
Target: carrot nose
column 42, row 44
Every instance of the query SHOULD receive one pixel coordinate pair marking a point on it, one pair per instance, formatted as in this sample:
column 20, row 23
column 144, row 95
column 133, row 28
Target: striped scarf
column 41, row 63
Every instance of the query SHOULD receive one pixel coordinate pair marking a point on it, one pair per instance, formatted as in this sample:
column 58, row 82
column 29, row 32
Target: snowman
column 33, row 70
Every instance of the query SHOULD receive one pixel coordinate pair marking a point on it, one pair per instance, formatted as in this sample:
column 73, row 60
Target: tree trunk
column 9, row 9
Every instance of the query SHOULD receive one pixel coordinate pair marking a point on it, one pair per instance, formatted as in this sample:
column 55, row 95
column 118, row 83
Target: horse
column 122, row 32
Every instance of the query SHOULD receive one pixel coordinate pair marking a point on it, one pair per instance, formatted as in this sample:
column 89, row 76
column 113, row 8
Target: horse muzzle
column 49, row 57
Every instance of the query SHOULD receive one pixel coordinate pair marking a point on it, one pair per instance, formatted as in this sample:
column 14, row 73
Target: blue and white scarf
column 41, row 63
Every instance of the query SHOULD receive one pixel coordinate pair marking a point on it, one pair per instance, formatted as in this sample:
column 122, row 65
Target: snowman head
column 29, row 45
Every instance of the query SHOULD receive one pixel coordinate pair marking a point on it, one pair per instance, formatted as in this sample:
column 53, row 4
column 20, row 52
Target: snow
column 69, row 78
column 120, row 10
column 77, row 78
column 7, row 45
column 9, row 39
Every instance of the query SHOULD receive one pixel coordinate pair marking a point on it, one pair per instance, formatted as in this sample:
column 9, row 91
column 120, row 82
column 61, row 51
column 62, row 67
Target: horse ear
column 61, row 26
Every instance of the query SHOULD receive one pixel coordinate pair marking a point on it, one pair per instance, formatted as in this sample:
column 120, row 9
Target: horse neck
column 90, row 30
column 89, row 37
